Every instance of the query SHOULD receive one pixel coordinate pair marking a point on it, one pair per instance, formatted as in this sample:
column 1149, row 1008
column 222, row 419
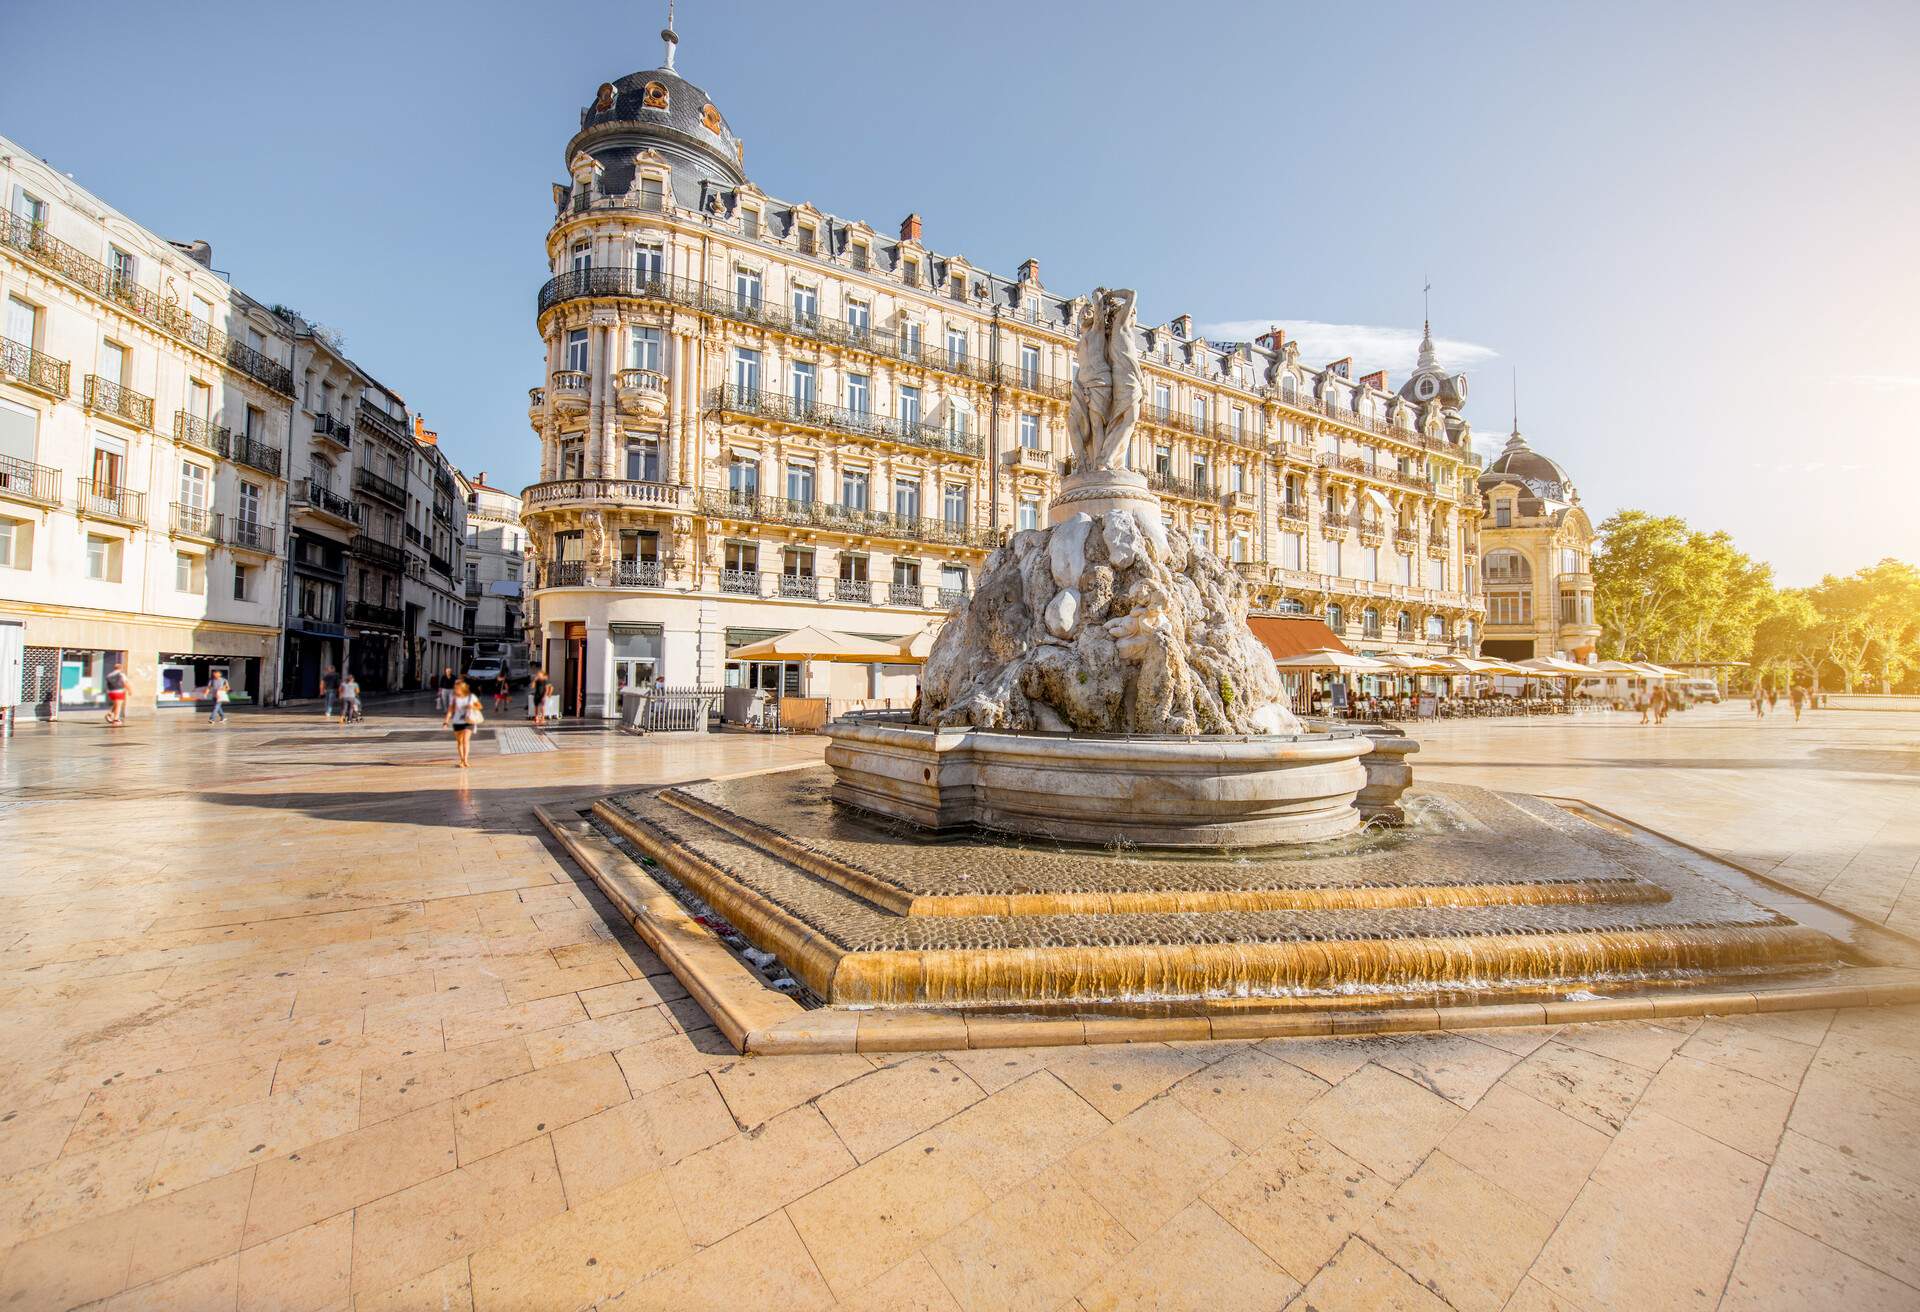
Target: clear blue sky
column 1690, row 228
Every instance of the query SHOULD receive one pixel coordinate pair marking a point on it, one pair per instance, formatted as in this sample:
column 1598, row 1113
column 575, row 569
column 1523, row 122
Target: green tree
column 1667, row 592
column 1872, row 622
column 1791, row 638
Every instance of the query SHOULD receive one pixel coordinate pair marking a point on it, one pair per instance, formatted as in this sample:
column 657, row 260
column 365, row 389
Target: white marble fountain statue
column 1101, row 684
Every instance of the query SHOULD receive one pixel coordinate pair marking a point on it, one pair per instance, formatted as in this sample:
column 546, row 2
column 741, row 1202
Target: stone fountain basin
column 1145, row 791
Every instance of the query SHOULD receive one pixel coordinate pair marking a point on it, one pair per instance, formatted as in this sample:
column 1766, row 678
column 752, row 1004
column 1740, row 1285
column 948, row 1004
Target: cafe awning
column 1343, row 661
column 1286, row 635
column 810, row 644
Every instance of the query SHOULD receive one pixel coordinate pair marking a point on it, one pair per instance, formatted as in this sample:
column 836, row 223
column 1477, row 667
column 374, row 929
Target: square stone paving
column 294, row 1018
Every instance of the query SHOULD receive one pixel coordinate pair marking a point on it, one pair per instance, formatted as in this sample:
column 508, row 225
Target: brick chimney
column 1376, row 379
column 1183, row 326
column 1272, row 339
column 422, row 435
column 1030, row 271
column 910, row 228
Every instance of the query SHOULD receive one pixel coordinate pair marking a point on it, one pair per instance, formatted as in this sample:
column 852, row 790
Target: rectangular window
column 859, row 394
column 13, row 540
column 123, row 267
column 1203, row 536
column 953, row 505
column 953, row 578
column 910, row 340
column 23, row 322
column 30, row 208
column 906, row 498
column 1405, row 571
column 746, row 289
column 956, row 346
column 1162, row 402
column 806, row 305
column 853, row 489
column 242, row 583
column 582, row 256
column 809, row 241
column 801, row 383
column 1292, row 551
column 643, row 460
column 743, row 478
column 649, row 263
column 109, row 460
column 743, row 557
column 1238, row 422
column 746, row 370
column 799, row 482
column 1437, row 575
column 853, row 568
column 861, row 260
column 1029, row 513
column 576, row 353
column 256, row 424
column 1330, row 559
column 910, row 273
column 193, row 486
column 653, row 195
column 1030, row 432
column 750, row 223
column 1239, row 478
column 1200, row 413
column 909, row 408
column 1502, row 514
column 1370, row 564
column 190, row 573
column 1030, row 366
column 859, row 317
column 113, row 363
column 906, row 571
column 100, row 554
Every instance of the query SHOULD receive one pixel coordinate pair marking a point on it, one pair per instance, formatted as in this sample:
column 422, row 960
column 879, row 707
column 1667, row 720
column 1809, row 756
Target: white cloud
column 1372, row 347
column 1881, row 382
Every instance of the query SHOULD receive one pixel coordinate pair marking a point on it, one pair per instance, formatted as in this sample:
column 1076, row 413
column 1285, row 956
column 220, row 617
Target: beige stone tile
column 141, row 1106
column 1596, row 1090
column 1866, row 1058
column 760, row 1088
column 739, row 1180
column 1297, row 1199
column 356, row 1168
column 674, row 1058
column 1645, row 1044
column 389, row 1091
column 1864, row 1212
column 464, row 1029
column 1763, row 1056
column 73, row 1187
column 1637, row 1237
column 1331, row 1060
column 1118, row 1077
column 644, row 1135
column 444, row 1289
column 1451, row 1065
column 308, row 1268
column 866, row 1221
column 910, row 1287
column 354, row 994
column 1032, row 1248
column 1531, row 1150
column 326, row 1057
column 1780, row 1267
column 30, row 1136
column 1018, row 1132
column 1147, row 1166
column 1798, row 1026
column 631, row 995
column 762, row 1266
column 432, row 1223
column 1532, row 1296
column 994, row 1069
column 565, row 979
column 259, row 1131
column 210, row 1285
column 1359, row 1279
column 1521, row 1040
column 69, row 1267
column 1383, row 1120
column 1867, row 1123
column 1738, row 1110
column 496, row 1116
column 187, row 1228
column 584, row 1254
column 590, row 1038
column 1194, row 1263
column 1249, row 1097
column 1459, row 1235
column 890, row 1106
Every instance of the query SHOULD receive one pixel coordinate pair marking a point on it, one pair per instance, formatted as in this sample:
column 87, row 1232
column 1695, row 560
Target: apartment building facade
column 757, row 415
column 1538, row 568
column 144, row 420
column 433, row 588
column 494, row 566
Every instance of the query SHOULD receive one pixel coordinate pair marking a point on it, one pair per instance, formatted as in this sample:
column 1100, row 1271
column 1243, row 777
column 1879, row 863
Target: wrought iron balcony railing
column 565, row 574
column 30, row 368
column 249, row 535
column 192, row 430
column 375, row 615
column 333, row 430
column 195, row 521
column 441, row 565
column 97, row 500
column 853, row 590
column 103, row 396
column 1293, row 512
column 107, row 284
column 814, row 414
column 637, row 573
column 842, row 519
column 1032, row 380
column 381, row 422
column 390, row 554
column 25, row 481
column 384, row 488
column 257, row 454
column 1192, row 489
column 326, row 501
column 805, row 586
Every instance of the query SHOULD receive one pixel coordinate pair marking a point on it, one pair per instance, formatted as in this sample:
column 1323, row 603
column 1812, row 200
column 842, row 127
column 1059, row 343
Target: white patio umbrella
column 1327, row 659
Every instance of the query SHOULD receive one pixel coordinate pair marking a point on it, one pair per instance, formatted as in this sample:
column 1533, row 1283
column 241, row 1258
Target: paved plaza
column 296, row 1017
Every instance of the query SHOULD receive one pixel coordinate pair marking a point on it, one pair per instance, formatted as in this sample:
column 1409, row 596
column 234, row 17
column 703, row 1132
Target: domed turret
column 1542, row 478
column 659, row 110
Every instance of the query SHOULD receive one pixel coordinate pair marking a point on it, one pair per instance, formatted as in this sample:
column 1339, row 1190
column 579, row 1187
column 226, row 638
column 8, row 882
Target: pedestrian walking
column 540, row 687
column 462, row 715
column 502, row 694
column 443, row 688
column 349, row 701
column 1773, row 698
column 117, row 694
column 219, row 690
column 1659, row 699
column 1797, row 698
column 1759, row 702
column 1645, row 705
column 330, row 688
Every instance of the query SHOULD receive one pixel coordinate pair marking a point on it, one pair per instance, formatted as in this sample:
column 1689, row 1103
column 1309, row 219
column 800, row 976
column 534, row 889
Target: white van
column 1698, row 690
column 485, row 668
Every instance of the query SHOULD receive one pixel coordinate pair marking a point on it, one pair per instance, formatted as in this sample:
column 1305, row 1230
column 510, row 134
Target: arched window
column 1436, row 629
column 1291, row 606
column 1404, row 625
column 1506, row 567
column 1370, row 622
column 1336, row 618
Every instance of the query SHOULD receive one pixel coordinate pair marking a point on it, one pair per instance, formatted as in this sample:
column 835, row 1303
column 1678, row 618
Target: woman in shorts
column 463, row 712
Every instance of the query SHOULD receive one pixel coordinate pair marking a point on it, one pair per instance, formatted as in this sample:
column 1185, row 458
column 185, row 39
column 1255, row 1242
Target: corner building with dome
column 758, row 416
column 1538, row 562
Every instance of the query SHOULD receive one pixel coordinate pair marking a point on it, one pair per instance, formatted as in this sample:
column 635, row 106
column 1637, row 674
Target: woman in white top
column 463, row 712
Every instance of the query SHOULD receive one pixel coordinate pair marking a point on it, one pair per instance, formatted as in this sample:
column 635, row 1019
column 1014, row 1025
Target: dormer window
column 861, row 259
column 750, row 223
column 653, row 195
column 1503, row 513
column 808, row 240
column 910, row 272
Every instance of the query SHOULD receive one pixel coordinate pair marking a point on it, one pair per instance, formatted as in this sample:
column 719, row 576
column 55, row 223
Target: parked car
column 482, row 671
column 1699, row 690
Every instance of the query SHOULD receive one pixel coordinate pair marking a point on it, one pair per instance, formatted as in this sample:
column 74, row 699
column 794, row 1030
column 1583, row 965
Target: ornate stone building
column 494, row 564
column 758, row 416
column 1538, row 566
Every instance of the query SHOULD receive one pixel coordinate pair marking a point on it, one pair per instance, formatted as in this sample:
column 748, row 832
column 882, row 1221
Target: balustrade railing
column 326, row 501
column 800, row 411
column 624, row 491
column 254, row 453
column 192, row 430
column 380, row 422
column 104, row 396
column 195, row 521
column 841, row 519
column 249, row 535
column 642, row 380
column 637, row 573
column 568, row 383
column 333, row 430
column 106, row 501
column 384, row 488
column 390, row 554
column 31, row 368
